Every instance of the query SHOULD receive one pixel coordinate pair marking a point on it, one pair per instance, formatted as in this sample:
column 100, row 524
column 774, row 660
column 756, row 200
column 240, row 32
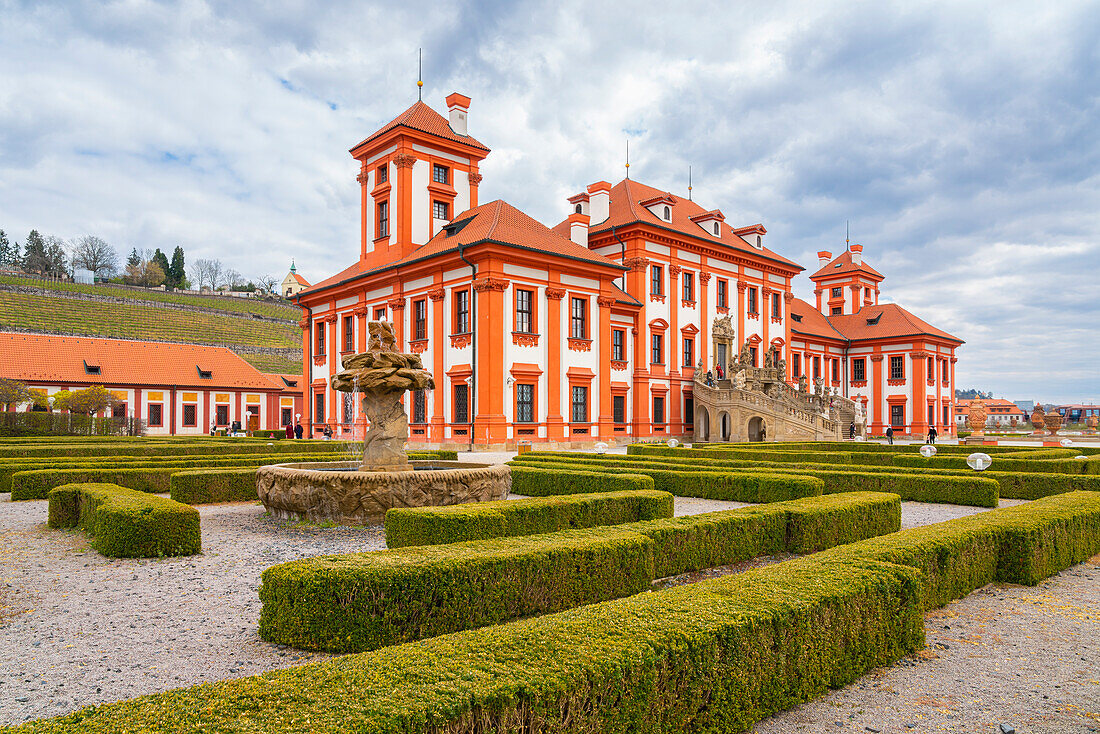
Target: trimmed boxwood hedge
column 973, row 490
column 192, row 447
column 409, row 526
column 364, row 601
column 715, row 485
column 718, row 655
column 126, row 523
column 532, row 481
column 1090, row 465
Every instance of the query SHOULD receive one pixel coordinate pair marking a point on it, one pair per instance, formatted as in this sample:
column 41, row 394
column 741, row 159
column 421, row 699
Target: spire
column 689, row 183
column 847, row 235
column 292, row 265
column 420, row 76
column 628, row 157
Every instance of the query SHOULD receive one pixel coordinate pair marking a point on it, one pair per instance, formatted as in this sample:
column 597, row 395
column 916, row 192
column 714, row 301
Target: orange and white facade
column 900, row 368
column 177, row 389
column 588, row 331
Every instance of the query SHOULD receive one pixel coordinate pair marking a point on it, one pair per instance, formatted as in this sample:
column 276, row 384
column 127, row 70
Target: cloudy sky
column 962, row 141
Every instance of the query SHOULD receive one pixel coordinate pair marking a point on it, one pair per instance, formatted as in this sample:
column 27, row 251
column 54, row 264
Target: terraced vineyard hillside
column 264, row 333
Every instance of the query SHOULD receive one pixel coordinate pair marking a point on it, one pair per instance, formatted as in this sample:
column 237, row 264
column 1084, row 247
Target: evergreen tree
column 134, row 259
column 161, row 261
column 56, row 257
column 176, row 274
column 34, row 254
column 5, row 250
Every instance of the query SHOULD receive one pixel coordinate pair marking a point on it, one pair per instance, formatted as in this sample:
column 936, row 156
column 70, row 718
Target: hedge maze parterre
column 499, row 624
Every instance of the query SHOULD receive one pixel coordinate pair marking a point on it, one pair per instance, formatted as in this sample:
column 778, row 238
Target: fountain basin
column 338, row 491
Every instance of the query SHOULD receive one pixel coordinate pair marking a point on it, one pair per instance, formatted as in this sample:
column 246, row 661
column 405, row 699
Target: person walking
column 297, row 430
column 289, row 430
column 852, row 431
column 890, row 434
column 932, row 434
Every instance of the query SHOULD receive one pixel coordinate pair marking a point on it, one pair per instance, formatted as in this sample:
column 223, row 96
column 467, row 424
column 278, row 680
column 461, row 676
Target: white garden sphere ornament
column 979, row 461
column 860, row 438
column 1081, row 457
column 673, row 443
column 1066, row 442
column 928, row 451
column 601, row 447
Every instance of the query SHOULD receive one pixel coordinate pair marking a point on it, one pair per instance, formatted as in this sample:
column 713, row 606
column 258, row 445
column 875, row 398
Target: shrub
column 126, row 523
column 368, row 600
column 207, row 486
column 506, row 518
column 732, row 486
column 531, row 481
column 1090, row 465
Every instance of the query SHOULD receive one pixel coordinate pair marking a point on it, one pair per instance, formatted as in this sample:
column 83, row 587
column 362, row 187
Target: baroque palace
column 604, row 327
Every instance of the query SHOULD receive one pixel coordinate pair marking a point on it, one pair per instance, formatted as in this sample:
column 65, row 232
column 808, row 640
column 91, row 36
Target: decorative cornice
column 523, row 339
column 555, row 294
column 303, row 324
column 636, row 263
column 459, row 341
column 686, row 303
column 755, row 316
column 605, row 301
column 475, row 178
column 674, row 270
column 741, row 286
column 396, row 304
column 361, row 311
column 320, row 359
column 491, row 284
column 659, row 297
column 766, row 291
column 436, row 294
column 876, row 357
column 580, row 345
column 895, row 381
column 859, row 383
column 404, row 160
column 619, row 365
column 418, row 346
column 777, row 319
column 722, row 310
column 704, row 278
column 788, row 296
column 921, row 355
column 362, row 177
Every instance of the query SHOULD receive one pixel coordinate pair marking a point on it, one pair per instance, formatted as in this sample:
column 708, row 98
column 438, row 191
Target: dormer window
column 205, row 374
column 577, row 209
column 668, row 214
column 759, row 241
column 796, row 317
column 440, row 174
column 91, row 369
column 290, row 383
column 874, row 319
column 716, row 229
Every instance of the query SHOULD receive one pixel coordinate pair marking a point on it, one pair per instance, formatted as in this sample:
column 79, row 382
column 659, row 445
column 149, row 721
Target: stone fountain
column 360, row 492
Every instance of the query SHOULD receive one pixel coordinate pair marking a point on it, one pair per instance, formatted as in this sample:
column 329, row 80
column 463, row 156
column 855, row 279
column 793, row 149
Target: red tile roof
column 423, row 118
column 497, row 221
column 626, row 208
column 891, row 321
column 842, row 265
column 278, row 379
column 300, row 280
column 812, row 323
column 51, row 358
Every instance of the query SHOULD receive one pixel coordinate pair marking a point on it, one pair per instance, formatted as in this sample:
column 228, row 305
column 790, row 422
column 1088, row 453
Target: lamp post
column 248, row 423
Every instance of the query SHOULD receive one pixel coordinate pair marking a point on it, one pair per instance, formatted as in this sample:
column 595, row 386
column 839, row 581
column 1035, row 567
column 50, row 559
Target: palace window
column 897, row 416
column 722, row 303
column 689, row 410
column 752, row 356
column 656, row 280
column 579, row 403
column 668, row 214
column 462, row 403
column 836, row 369
column 836, row 311
column 775, row 306
column 617, row 336
column 658, row 409
column 657, row 349
column 578, row 209
column 578, row 328
column 897, row 368
column 286, row 416
column 689, row 286
column 379, row 314
column 817, row 367
column 689, row 352
column 383, row 174
column 420, row 407
column 796, row 365
column 943, row 371
column 836, row 293
column 931, row 415
column 618, row 408
column 946, row 415
column 859, row 369
column 156, row 414
column 420, row 319
column 319, row 330
column 221, row 415
column 190, row 415
column 441, row 210
column 931, row 369
column 383, row 219
column 440, row 174
column 525, row 403
column 716, row 229
column 462, row 312
column 524, row 301
column 319, row 407
column 118, row 410
column 349, row 333
column 348, row 413
column 752, row 301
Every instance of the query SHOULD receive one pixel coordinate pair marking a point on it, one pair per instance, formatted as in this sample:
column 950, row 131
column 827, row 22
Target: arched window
column 716, row 228
column 668, row 214
column 759, row 241
column 577, row 209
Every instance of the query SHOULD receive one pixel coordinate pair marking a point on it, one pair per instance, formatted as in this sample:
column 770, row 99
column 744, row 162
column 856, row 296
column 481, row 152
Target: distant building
column 175, row 388
column 86, row 277
column 293, row 283
column 1078, row 413
column 998, row 413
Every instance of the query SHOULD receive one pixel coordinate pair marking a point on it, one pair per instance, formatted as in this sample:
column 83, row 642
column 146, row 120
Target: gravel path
column 79, row 628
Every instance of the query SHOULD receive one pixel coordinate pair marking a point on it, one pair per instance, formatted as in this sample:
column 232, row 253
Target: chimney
column 823, row 257
column 458, row 105
column 578, row 229
column 857, row 254
column 599, row 201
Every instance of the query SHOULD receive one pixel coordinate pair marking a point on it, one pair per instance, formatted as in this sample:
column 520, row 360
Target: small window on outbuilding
column 205, row 374
column 91, row 369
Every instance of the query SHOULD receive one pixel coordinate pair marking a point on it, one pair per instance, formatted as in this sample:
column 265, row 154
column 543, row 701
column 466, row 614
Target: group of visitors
column 294, row 431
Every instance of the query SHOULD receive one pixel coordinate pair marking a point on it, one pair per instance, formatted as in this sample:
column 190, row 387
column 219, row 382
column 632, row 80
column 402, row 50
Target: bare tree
column 217, row 274
column 200, row 270
column 92, row 253
column 56, row 257
column 268, row 282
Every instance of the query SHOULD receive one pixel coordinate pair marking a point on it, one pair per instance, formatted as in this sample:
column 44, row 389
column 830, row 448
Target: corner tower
column 846, row 284
column 415, row 174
